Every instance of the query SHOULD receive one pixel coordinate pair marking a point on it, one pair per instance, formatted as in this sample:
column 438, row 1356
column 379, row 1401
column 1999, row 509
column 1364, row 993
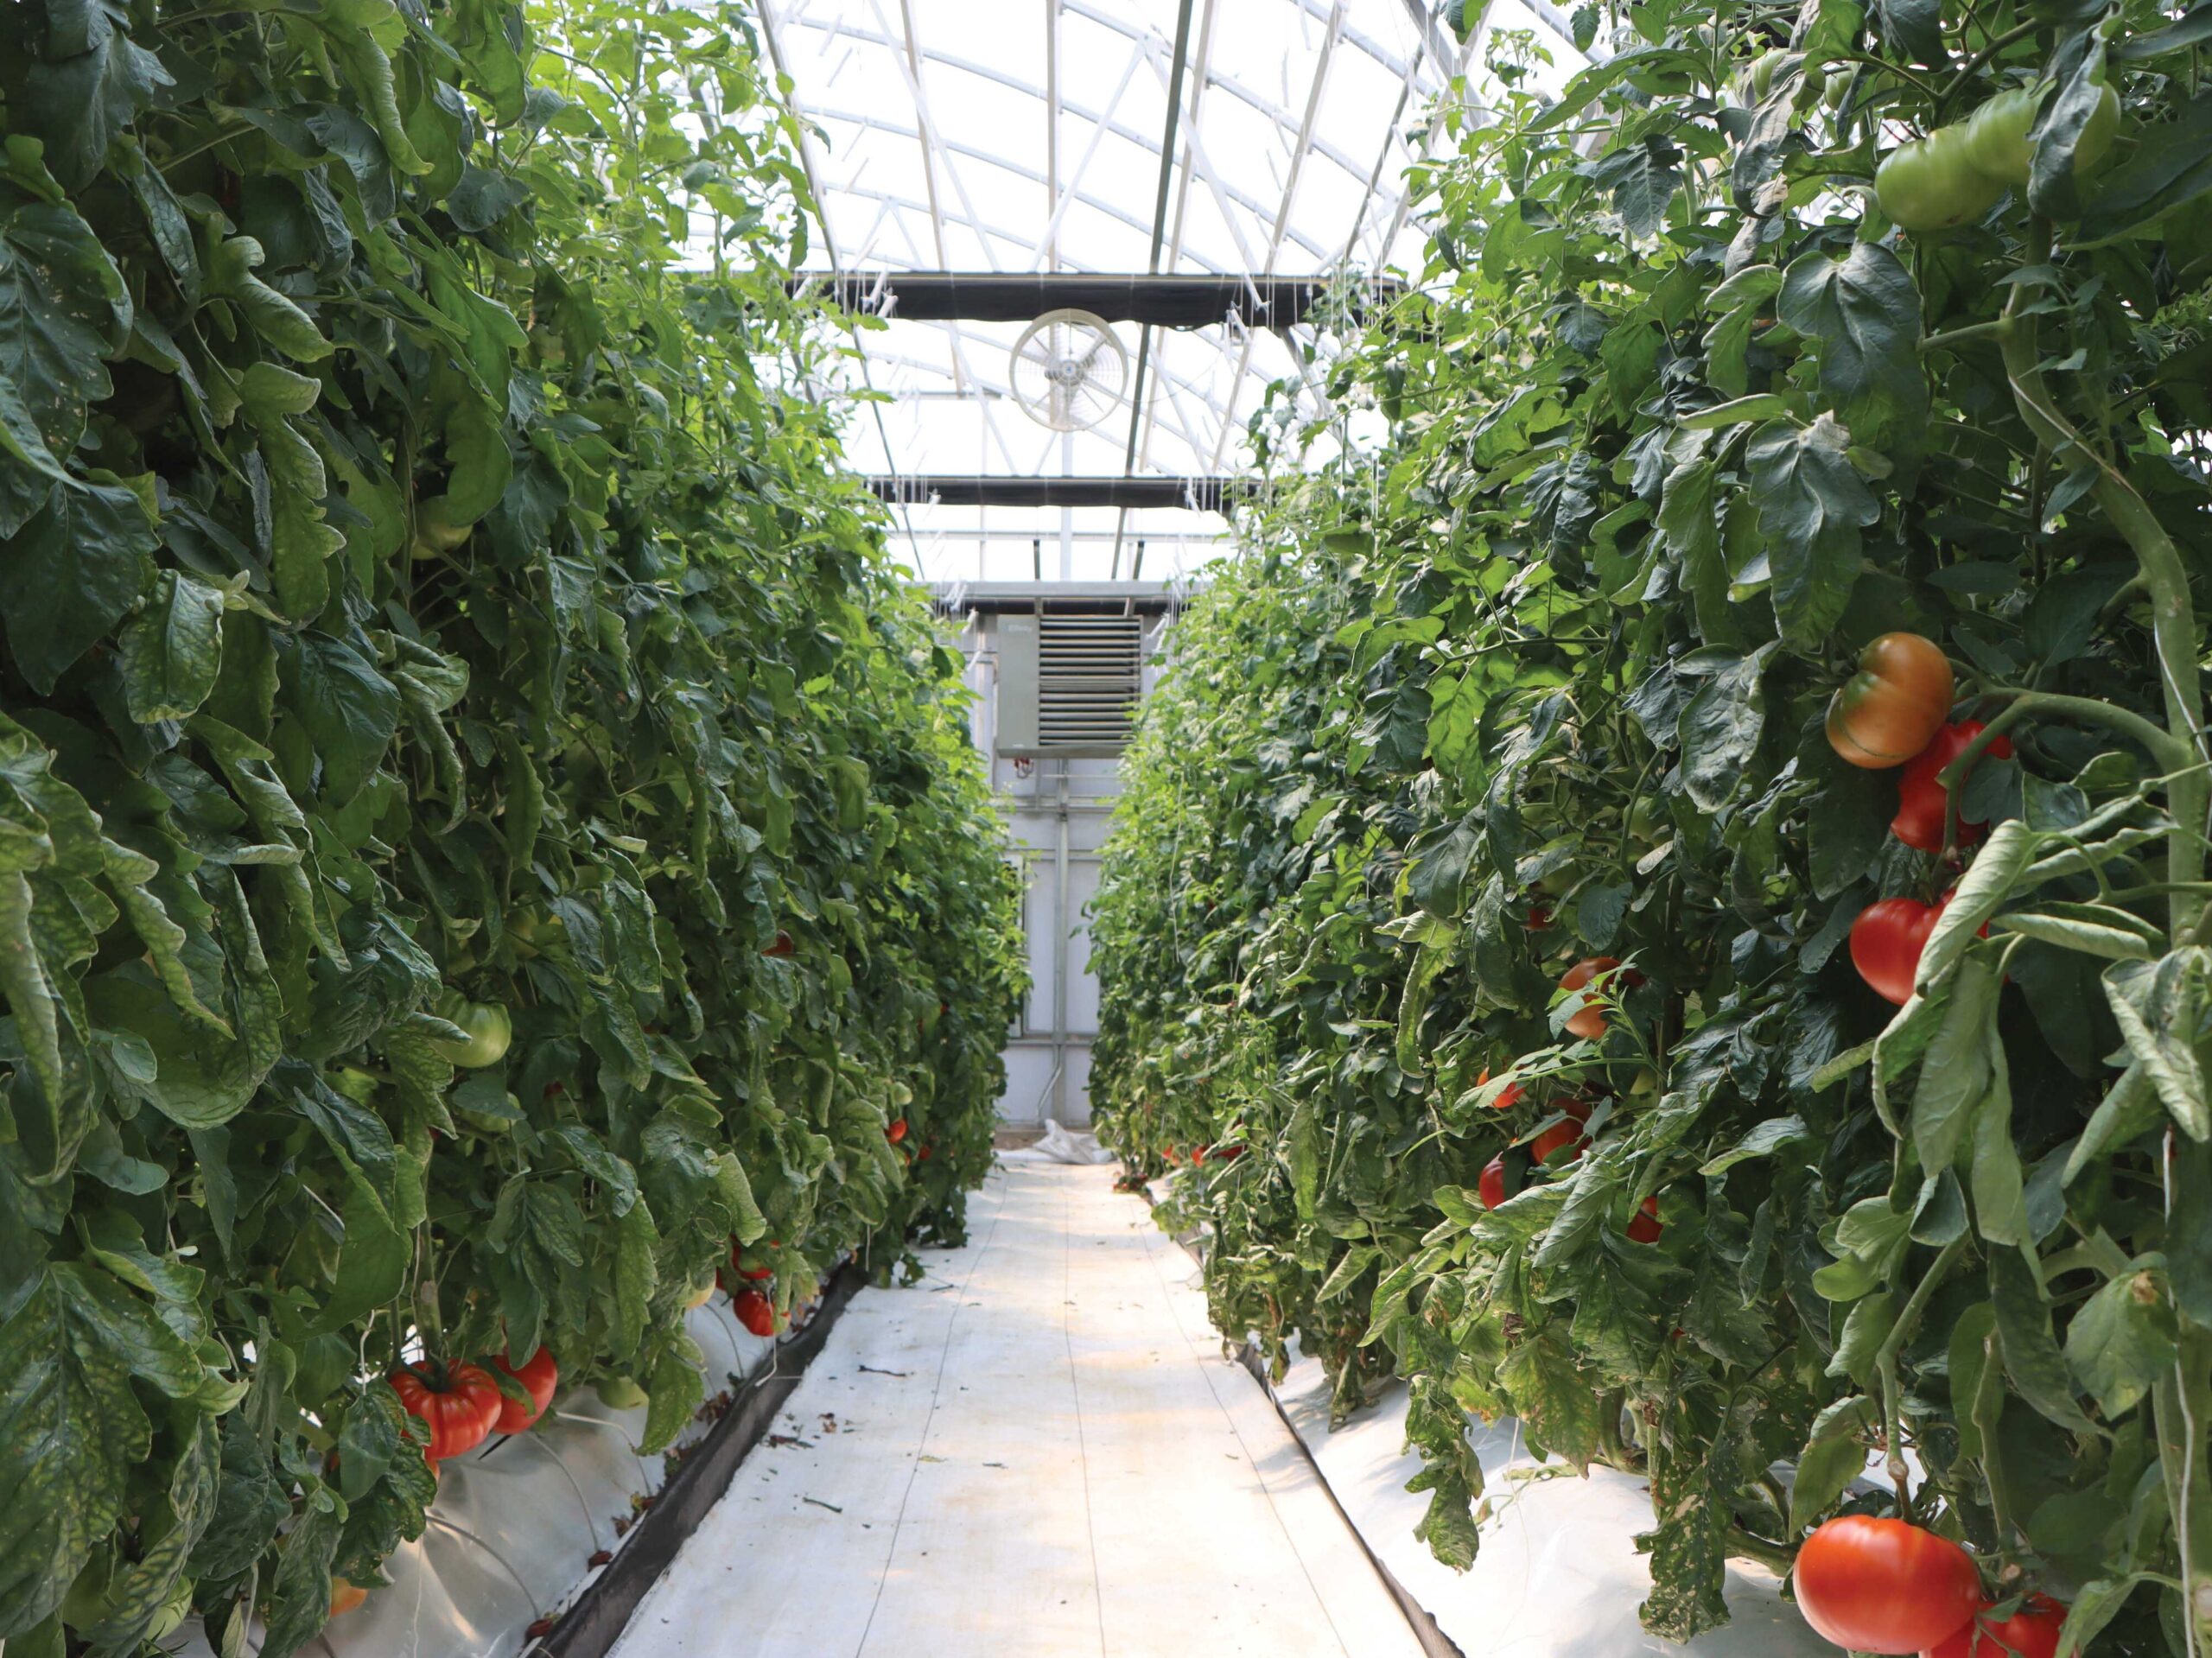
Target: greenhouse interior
column 1013, row 829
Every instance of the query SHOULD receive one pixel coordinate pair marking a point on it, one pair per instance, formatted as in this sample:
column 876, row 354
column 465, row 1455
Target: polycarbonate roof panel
column 1025, row 135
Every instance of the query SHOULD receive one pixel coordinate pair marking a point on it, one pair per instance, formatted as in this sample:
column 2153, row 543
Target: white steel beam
column 1282, row 217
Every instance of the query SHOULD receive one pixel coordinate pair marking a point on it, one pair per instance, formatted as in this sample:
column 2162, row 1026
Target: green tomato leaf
column 1812, row 504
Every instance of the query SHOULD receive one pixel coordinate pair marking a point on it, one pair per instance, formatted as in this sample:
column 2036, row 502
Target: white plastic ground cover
column 1557, row 1574
column 1059, row 1145
column 518, row 1522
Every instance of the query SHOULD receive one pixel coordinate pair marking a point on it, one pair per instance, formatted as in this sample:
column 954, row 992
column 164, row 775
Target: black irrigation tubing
column 1434, row 1641
column 590, row 1628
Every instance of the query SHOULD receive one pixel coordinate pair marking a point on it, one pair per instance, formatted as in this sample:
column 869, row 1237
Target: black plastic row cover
column 1177, row 301
column 1193, row 494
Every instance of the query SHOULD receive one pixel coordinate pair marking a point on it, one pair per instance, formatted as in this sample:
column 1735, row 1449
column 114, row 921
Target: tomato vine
column 1530, row 661
column 483, row 830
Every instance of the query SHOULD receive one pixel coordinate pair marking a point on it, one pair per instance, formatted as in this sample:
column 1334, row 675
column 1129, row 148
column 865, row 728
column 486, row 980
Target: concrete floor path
column 1038, row 1451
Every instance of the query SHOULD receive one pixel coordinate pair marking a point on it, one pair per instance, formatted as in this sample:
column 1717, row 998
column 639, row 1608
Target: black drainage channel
column 1434, row 1641
column 591, row 1627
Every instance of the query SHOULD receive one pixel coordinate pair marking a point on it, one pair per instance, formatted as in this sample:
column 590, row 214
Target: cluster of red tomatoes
column 751, row 1305
column 1895, row 711
column 463, row 1406
column 1889, row 1586
column 1561, row 1140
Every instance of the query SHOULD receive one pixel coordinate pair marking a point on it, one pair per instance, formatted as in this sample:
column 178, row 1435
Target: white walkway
column 1039, row 1452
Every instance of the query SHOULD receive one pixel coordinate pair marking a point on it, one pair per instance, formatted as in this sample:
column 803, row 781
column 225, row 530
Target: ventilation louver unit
column 1068, row 684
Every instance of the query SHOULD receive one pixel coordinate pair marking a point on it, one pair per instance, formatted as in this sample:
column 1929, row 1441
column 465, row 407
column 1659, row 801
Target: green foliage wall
column 1682, row 420
column 418, row 584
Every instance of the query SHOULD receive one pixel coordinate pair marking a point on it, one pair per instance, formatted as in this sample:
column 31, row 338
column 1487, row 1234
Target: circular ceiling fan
column 1068, row 371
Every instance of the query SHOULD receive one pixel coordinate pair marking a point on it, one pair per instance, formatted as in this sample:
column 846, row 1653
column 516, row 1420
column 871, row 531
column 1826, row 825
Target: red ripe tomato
column 896, row 1131
column 1886, row 713
column 1921, row 803
column 1567, row 1135
column 1509, row 1098
column 1588, row 1021
column 1228, row 1154
column 755, row 1311
column 538, row 1377
column 1491, row 1186
column 1887, row 941
column 2031, row 1632
column 460, row 1403
column 1540, row 917
column 1885, row 1585
column 1643, row 1226
column 783, row 946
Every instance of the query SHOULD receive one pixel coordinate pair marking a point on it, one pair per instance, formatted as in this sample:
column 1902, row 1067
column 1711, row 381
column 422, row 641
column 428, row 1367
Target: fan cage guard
column 1068, row 370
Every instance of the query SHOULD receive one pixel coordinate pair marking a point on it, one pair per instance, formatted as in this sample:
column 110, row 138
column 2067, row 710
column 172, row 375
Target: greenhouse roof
column 1014, row 136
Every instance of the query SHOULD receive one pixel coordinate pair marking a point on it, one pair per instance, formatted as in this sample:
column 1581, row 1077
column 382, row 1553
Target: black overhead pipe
column 1168, row 301
column 1194, row 494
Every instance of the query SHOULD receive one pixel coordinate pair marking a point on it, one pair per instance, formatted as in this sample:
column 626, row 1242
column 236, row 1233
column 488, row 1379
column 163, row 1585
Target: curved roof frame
column 909, row 174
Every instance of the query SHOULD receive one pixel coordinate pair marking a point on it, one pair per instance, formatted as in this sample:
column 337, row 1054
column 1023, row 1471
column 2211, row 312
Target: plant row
column 485, row 841
column 1676, row 852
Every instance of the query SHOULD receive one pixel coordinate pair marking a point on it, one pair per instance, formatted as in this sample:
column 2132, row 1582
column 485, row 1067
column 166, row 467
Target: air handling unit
column 1068, row 682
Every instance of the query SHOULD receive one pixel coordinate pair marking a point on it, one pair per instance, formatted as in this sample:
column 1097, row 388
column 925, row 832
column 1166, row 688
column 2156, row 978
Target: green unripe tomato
column 435, row 526
column 1997, row 141
column 621, row 1393
column 1758, row 82
column 1997, row 135
column 1930, row 184
column 489, row 1030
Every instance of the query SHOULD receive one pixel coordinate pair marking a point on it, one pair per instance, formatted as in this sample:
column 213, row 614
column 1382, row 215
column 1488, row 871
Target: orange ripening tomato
column 2031, row 1632
column 539, row 1376
column 346, row 1597
column 1643, row 1226
column 1886, row 713
column 1588, row 1020
column 1506, row 1100
column 755, row 1311
column 1885, row 1585
column 460, row 1404
column 1923, row 803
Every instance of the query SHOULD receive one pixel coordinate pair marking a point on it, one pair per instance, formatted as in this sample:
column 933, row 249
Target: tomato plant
column 1564, row 597
column 442, row 647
